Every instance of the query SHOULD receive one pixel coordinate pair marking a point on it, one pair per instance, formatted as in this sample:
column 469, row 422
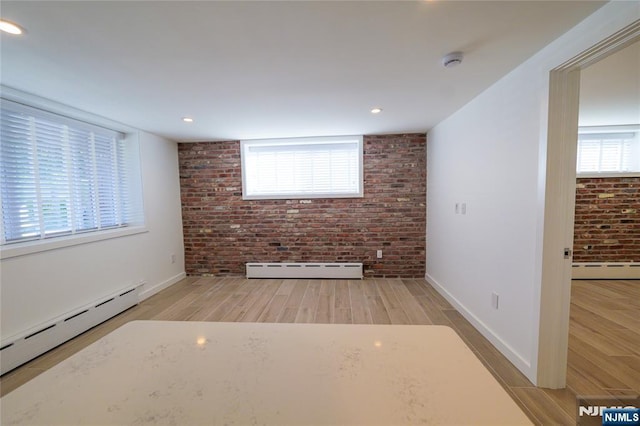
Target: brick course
column 607, row 220
column 222, row 231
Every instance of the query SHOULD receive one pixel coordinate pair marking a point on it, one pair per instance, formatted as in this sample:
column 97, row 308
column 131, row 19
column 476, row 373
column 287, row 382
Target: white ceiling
column 610, row 90
column 273, row 69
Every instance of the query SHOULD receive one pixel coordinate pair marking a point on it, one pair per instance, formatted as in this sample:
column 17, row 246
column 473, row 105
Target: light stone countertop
column 207, row 373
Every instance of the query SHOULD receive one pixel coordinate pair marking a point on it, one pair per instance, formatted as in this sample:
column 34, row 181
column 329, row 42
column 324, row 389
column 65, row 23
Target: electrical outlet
column 173, row 258
column 494, row 300
column 379, row 254
column 463, row 209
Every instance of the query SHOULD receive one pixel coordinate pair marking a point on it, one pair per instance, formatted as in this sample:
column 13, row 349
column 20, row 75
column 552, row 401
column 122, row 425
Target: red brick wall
column 607, row 221
column 222, row 232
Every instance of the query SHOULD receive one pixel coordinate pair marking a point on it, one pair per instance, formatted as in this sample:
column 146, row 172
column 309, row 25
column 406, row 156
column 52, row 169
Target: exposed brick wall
column 607, row 221
column 222, row 232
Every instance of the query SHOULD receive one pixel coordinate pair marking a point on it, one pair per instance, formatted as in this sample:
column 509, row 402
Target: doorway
column 560, row 205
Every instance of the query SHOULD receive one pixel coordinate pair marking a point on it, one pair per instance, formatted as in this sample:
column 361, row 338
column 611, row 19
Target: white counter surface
column 205, row 373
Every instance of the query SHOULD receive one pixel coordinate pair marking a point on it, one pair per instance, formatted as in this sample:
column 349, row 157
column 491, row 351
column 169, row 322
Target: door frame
column 559, row 205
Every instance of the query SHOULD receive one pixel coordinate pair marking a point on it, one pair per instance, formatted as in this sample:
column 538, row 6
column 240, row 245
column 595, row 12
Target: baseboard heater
column 18, row 349
column 606, row 270
column 305, row 270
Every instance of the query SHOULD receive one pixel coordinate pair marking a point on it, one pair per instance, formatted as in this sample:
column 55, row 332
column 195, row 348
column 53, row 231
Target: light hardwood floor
column 604, row 347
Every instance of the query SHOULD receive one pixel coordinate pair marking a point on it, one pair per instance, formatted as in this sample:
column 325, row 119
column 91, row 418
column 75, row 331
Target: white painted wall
column 491, row 155
column 610, row 90
column 38, row 287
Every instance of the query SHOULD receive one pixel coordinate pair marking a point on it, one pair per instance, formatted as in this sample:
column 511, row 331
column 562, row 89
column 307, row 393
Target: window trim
column 596, row 175
column 37, row 246
column 22, row 248
column 310, row 140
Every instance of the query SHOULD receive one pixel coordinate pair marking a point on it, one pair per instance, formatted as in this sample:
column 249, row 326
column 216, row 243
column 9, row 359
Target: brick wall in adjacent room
column 222, row 232
column 607, row 220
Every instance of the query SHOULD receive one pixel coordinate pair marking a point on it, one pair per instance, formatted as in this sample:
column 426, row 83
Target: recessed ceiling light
column 376, row 110
column 187, row 119
column 10, row 27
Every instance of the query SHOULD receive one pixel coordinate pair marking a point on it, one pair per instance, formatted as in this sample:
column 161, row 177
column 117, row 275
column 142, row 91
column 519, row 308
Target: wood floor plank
column 627, row 339
column 410, row 305
column 435, row 314
column 565, row 399
column 342, row 299
column 599, row 304
column 579, row 384
column 629, row 366
column 432, row 294
column 624, row 318
column 290, row 310
column 600, row 376
column 261, row 302
column 342, row 303
column 582, row 287
column 325, row 314
column 214, row 298
column 359, row 309
column 309, row 304
column 343, row 316
column 223, row 308
column 607, row 344
column 547, row 412
column 186, row 313
column 431, row 309
column 379, row 314
column 16, row 378
column 591, row 319
column 414, row 288
column 392, row 304
column 619, row 366
column 250, row 293
column 278, row 302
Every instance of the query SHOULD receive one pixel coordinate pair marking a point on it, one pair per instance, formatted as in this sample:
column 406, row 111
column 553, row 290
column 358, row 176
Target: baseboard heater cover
column 305, row 270
column 606, row 270
column 18, row 349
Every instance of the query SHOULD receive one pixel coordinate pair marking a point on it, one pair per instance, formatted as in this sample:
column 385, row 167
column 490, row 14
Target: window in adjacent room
column 609, row 152
column 62, row 177
column 326, row 167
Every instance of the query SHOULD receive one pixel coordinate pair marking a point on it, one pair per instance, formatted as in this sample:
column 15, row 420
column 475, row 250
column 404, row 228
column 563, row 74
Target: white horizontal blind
column 302, row 168
column 608, row 152
column 59, row 176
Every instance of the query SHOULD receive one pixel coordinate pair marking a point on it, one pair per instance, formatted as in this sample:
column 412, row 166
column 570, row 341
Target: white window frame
column 245, row 145
column 131, row 135
column 611, row 130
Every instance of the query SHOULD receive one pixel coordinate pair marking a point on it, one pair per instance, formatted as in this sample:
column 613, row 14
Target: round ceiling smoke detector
column 452, row 59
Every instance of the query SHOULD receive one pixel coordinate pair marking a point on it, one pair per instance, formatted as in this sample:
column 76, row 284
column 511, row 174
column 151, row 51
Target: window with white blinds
column 608, row 153
column 329, row 167
column 61, row 176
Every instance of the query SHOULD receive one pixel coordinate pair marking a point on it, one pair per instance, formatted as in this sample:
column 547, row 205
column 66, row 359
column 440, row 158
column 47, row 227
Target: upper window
column 61, row 176
column 329, row 167
column 608, row 152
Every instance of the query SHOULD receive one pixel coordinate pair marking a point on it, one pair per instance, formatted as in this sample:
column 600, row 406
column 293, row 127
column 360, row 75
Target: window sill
column 31, row 247
column 608, row 175
column 299, row 196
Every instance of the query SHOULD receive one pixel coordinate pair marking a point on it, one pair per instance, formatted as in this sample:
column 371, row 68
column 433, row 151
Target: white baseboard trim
column 148, row 292
column 605, row 270
column 514, row 357
column 18, row 349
